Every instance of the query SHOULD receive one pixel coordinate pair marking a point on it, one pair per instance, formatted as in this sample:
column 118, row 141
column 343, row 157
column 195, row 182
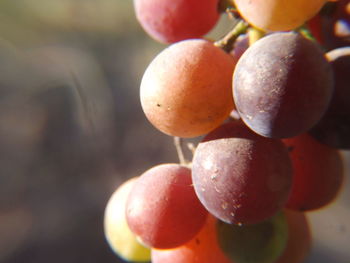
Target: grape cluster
column 273, row 113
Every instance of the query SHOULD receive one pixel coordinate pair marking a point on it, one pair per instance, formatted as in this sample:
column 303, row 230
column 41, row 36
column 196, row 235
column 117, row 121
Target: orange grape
column 186, row 90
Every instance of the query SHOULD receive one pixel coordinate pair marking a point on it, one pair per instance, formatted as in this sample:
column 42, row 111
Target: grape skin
column 277, row 15
column 299, row 238
column 162, row 208
column 203, row 248
column 186, row 90
column 176, row 20
column 240, row 177
column 334, row 127
column 117, row 232
column 283, row 91
column 318, row 173
column 263, row 242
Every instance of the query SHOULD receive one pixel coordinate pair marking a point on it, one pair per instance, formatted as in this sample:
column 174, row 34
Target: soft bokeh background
column 72, row 130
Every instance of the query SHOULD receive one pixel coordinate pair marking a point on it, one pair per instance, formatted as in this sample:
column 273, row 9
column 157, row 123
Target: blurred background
column 72, row 130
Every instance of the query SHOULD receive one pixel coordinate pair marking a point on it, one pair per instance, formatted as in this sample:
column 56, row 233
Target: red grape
column 241, row 177
column 318, row 173
column 163, row 209
column 334, row 127
column 172, row 21
column 282, row 85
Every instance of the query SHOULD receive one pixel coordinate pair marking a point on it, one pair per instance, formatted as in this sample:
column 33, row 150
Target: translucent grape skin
column 334, row 127
column 299, row 238
column 318, row 173
column 240, row 177
column 117, row 232
column 263, row 242
column 162, row 208
column 283, row 91
column 186, row 91
column 176, row 20
column 277, row 15
column 203, row 248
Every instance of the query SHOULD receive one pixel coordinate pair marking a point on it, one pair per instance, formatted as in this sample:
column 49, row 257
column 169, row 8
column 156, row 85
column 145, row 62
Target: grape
column 299, row 238
column 203, row 248
column 240, row 177
column 318, row 173
column 334, row 127
column 186, row 90
column 263, row 242
column 282, row 85
column 277, row 15
column 117, row 232
column 172, row 21
column 163, row 209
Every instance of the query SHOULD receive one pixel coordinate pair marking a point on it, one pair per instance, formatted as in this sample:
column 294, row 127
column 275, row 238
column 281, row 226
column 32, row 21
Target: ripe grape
column 334, row 127
column 241, row 177
column 186, row 90
column 172, row 21
column 299, row 238
column 277, row 15
column 203, row 248
column 163, row 209
column 282, row 85
column 263, row 242
column 117, row 232
column 318, row 173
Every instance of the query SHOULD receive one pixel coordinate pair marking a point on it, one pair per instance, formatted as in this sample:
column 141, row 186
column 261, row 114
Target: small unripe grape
column 299, row 238
column 263, row 242
column 117, row 232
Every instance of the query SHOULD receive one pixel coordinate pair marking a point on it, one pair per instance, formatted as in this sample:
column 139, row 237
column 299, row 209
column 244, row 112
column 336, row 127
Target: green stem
column 226, row 43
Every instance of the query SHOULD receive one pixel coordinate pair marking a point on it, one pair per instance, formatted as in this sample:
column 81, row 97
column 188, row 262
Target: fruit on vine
column 263, row 242
column 240, row 177
column 299, row 238
column 203, row 248
column 318, row 173
column 162, row 208
column 334, row 127
column 283, row 91
column 277, row 15
column 186, row 90
column 117, row 232
column 176, row 20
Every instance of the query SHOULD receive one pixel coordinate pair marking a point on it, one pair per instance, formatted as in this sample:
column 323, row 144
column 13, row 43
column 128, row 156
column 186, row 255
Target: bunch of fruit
column 273, row 111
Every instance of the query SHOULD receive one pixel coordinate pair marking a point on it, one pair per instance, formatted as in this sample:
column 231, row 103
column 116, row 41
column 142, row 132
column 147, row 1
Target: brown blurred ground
column 71, row 130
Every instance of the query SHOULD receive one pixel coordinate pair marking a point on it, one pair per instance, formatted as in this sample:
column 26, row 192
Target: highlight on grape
column 269, row 103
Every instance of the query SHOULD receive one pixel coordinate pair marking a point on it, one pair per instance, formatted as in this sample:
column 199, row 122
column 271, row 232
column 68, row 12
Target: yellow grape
column 278, row 15
column 117, row 232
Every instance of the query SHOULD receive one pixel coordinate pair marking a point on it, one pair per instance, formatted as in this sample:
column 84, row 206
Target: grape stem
column 226, row 43
column 178, row 142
